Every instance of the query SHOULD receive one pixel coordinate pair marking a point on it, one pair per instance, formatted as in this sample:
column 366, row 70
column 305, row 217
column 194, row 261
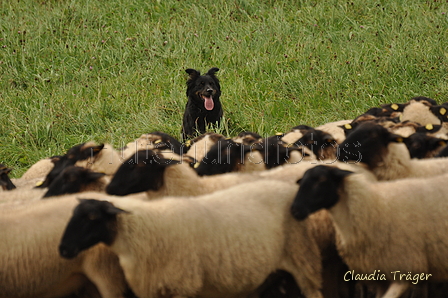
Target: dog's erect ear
column 212, row 71
column 193, row 73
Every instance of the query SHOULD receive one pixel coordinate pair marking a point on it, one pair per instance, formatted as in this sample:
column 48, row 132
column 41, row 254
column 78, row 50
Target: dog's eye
column 202, row 83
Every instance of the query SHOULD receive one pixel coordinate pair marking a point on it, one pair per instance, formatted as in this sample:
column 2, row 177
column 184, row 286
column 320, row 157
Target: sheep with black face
column 207, row 246
column 386, row 226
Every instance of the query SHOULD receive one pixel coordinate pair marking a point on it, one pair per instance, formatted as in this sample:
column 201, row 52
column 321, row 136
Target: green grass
column 74, row 71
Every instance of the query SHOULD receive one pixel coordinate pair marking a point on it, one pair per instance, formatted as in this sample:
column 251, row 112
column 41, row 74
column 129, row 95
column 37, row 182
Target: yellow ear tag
column 39, row 183
column 196, row 165
column 157, row 141
column 188, row 143
column 442, row 111
column 278, row 133
column 394, row 106
column 429, row 126
column 348, row 126
column 96, row 149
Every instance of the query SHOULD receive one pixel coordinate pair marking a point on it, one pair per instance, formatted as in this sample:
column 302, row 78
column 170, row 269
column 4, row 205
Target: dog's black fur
column 203, row 105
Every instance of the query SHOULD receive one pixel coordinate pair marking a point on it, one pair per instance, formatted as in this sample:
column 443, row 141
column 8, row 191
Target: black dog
column 203, row 105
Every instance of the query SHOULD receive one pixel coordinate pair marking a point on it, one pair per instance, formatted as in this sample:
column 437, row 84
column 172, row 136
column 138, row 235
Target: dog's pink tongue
column 208, row 103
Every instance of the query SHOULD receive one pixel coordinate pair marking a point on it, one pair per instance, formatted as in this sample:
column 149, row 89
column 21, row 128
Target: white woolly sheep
column 220, row 245
column 29, row 262
column 168, row 178
column 392, row 227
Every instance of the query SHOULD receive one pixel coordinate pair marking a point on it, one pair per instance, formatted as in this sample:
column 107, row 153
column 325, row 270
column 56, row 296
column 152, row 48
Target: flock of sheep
column 352, row 208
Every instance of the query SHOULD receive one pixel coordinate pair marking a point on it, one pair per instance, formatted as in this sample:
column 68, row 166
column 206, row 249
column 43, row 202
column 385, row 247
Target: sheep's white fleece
column 16, row 197
column 39, row 170
column 220, row 245
column 393, row 226
column 30, row 265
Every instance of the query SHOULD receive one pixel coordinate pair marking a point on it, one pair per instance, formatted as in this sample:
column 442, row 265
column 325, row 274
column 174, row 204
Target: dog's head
column 205, row 88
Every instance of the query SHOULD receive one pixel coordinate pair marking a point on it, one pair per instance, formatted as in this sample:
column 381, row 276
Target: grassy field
column 74, row 71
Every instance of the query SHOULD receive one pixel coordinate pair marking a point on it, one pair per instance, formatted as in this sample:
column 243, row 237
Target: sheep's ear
column 5, row 170
column 94, row 175
column 112, row 210
column 212, row 71
column 341, row 174
column 168, row 162
column 96, row 149
column 193, row 73
column 55, row 159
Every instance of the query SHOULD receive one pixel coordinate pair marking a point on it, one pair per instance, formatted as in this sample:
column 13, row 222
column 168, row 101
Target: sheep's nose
column 65, row 252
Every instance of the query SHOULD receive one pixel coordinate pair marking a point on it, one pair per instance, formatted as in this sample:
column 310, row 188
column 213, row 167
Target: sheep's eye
column 298, row 181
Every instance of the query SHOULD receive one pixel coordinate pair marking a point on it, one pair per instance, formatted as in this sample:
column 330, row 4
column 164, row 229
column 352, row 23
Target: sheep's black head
column 74, row 154
column 421, row 145
column 72, row 180
column 92, row 222
column 5, row 182
column 368, row 143
column 141, row 172
column 322, row 144
column 275, row 152
column 223, row 157
column 319, row 189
